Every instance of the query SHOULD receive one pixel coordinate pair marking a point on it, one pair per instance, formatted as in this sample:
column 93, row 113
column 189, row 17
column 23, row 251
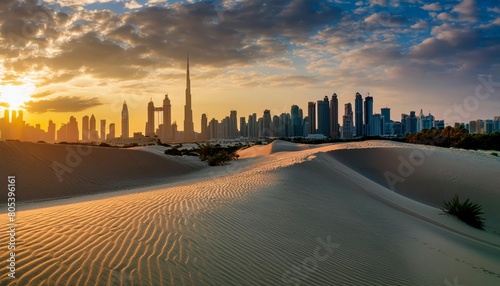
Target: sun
column 16, row 95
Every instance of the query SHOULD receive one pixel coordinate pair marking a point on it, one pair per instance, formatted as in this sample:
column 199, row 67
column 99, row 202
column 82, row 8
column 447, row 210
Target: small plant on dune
column 467, row 211
column 494, row 154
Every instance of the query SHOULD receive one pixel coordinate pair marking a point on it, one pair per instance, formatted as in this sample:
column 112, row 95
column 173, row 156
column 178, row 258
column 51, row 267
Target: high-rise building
column 252, row 126
column 85, row 129
column 125, row 121
column 51, row 132
column 150, row 124
column 376, row 124
column 276, row 126
column 324, row 117
column 233, row 127
column 243, row 127
column 94, row 136
column 296, row 121
column 311, row 113
column 386, row 121
column 334, row 117
column 358, row 105
column 111, row 134
column 368, row 115
column 212, row 126
column 266, row 124
column 188, row 112
column 167, row 119
column 347, row 122
column 72, row 132
column 103, row 129
column 205, row 133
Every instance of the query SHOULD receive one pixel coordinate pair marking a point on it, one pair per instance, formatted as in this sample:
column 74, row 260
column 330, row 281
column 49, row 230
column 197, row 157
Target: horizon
column 408, row 55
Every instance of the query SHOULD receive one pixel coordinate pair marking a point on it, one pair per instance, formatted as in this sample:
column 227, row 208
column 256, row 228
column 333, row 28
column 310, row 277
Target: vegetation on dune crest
column 218, row 156
column 467, row 211
column 215, row 155
column 457, row 137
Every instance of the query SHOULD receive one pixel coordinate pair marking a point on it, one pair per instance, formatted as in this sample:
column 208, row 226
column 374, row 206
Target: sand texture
column 284, row 214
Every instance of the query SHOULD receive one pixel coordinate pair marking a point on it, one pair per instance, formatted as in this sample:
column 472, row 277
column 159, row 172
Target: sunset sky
column 81, row 57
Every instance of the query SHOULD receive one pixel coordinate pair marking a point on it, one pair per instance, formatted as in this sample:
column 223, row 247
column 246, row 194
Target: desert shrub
column 216, row 155
column 494, row 154
column 467, row 211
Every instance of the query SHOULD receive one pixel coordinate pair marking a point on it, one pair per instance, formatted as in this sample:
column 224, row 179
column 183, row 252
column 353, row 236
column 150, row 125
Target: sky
column 80, row 57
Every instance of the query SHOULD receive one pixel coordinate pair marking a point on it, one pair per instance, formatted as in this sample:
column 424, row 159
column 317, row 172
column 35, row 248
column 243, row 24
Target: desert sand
column 284, row 214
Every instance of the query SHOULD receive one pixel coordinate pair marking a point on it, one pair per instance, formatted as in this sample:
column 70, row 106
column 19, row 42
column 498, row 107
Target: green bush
column 494, row 154
column 468, row 211
column 218, row 156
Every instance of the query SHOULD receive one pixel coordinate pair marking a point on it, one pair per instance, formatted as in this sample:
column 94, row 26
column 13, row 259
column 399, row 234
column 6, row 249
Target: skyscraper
column 51, row 132
column 167, row 119
column 150, row 124
column 334, row 117
column 386, row 121
column 311, row 114
column 358, row 105
column 93, row 129
column 204, row 127
column 296, row 121
column 347, row 126
column 266, row 124
column 324, row 117
column 103, row 129
column 368, row 115
column 85, row 129
column 243, row 127
column 188, row 112
column 125, row 127
column 233, row 127
column 111, row 134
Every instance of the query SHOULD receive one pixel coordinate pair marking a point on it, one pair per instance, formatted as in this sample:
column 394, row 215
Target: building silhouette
column 93, row 129
column 188, row 112
column 125, row 121
column 334, row 117
column 387, row 128
column 324, row 117
column 296, row 118
column 358, row 108
column 311, row 114
column 150, row 124
column 368, row 116
column 166, row 133
column 103, row 130
column 347, row 122
column 111, row 134
column 85, row 129
column 204, row 127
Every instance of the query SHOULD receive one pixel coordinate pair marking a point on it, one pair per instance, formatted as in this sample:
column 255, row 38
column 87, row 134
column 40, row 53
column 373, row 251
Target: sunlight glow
column 16, row 95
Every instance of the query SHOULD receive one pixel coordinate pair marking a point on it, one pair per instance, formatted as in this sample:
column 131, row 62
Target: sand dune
column 47, row 171
column 299, row 216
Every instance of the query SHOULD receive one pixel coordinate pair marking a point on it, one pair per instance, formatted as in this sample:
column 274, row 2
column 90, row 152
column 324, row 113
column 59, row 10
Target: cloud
column 133, row 5
column 61, row 104
column 467, row 10
column 432, row 7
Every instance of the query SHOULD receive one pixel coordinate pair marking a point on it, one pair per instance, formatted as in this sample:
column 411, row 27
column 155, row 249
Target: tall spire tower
column 125, row 126
column 188, row 112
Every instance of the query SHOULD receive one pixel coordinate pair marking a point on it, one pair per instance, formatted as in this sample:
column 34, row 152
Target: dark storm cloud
column 61, row 104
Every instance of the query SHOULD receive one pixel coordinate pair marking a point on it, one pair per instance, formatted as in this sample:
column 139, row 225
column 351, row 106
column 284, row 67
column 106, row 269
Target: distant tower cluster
column 164, row 115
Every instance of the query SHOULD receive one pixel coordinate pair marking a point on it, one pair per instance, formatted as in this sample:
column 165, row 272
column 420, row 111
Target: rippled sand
column 282, row 215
